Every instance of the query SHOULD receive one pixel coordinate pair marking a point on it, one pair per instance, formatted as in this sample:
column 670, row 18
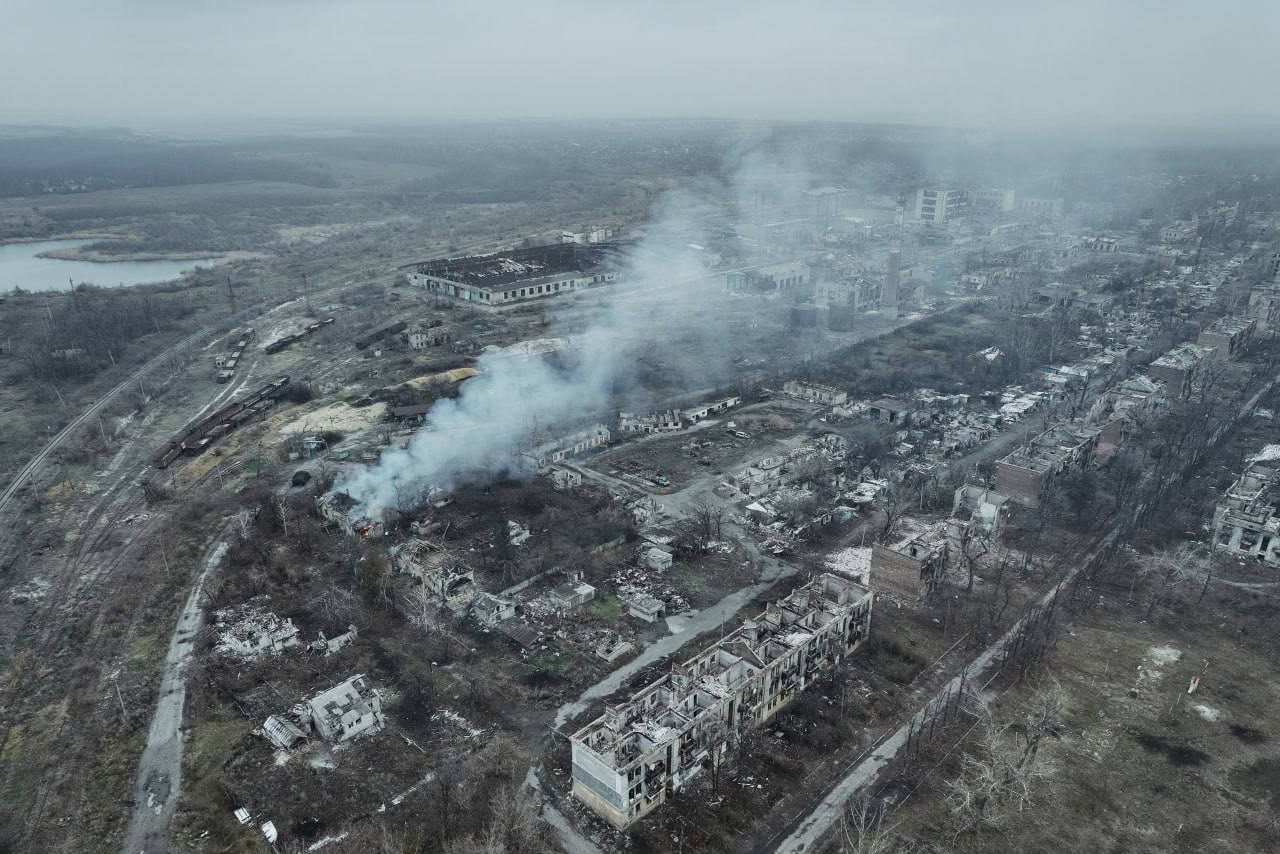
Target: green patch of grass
column 605, row 608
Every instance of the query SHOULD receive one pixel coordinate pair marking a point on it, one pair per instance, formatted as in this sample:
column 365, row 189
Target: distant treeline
column 75, row 163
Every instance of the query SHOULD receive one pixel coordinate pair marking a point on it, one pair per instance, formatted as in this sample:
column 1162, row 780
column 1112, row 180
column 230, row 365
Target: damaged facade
column 633, row 757
column 913, row 565
column 815, row 392
column 1023, row 474
column 1245, row 523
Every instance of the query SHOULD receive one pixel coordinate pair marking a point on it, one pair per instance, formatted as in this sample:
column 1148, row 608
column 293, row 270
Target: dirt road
column 159, row 779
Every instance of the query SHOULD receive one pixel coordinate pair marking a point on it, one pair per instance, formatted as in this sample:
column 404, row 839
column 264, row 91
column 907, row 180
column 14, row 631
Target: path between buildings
column 159, row 778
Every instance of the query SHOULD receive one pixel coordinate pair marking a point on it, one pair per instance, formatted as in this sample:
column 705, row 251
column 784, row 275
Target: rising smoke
column 660, row 304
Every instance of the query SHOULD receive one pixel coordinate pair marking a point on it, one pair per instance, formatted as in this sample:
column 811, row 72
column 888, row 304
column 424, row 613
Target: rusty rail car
column 197, row 439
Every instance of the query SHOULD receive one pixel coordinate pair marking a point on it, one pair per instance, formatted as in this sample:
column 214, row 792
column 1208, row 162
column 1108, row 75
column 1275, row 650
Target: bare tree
column 997, row 780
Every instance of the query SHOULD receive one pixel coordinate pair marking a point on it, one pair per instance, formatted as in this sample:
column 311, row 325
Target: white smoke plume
column 658, row 301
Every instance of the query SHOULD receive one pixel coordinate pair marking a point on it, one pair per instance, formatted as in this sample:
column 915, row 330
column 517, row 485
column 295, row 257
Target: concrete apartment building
column 912, row 566
column 519, row 275
column 1023, row 474
column 1264, row 307
column 1227, row 337
column 938, row 204
column 1245, row 523
column 1178, row 368
column 633, row 757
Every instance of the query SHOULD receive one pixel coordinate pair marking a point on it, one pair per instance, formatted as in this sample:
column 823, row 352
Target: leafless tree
column 998, row 778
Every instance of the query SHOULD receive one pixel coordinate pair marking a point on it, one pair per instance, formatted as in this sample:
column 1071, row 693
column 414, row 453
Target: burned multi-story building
column 1024, row 474
column 1245, row 522
column 633, row 757
column 815, row 392
column 1178, row 368
column 518, row 275
column 913, row 564
column 1226, row 337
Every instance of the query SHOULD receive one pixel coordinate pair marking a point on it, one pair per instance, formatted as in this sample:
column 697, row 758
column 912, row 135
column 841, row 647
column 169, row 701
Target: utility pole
column 231, row 295
column 306, row 290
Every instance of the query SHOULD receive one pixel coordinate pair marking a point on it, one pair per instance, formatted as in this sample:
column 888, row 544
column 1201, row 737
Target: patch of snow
column 1163, row 655
column 1209, row 713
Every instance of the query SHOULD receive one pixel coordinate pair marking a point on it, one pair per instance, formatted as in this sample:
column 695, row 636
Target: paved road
column 38, row 460
column 159, row 778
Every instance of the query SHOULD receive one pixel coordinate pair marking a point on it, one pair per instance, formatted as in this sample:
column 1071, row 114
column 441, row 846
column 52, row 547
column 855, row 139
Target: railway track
column 38, row 460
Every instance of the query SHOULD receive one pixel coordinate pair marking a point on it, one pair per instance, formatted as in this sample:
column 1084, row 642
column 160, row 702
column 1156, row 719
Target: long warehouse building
column 518, row 275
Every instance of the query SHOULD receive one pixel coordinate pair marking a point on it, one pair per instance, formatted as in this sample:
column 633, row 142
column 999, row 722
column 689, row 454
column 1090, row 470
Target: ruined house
column 645, row 607
column 336, row 508
column 248, row 632
column 913, row 564
column 1122, row 410
column 571, row 594
column 1024, row 474
column 815, row 392
column 563, row 479
column 439, row 570
column 1264, row 307
column 346, row 710
column 1245, row 522
column 489, row 610
column 656, row 558
column 639, row 752
column 889, row 411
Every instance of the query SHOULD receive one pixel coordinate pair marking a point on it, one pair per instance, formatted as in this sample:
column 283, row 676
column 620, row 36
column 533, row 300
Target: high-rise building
column 938, row 205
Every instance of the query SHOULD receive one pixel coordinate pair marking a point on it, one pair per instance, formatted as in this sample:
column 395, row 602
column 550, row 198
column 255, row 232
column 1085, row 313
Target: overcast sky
column 178, row 62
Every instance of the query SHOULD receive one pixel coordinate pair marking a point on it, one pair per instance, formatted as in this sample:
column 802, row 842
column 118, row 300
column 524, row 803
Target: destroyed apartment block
column 349, row 709
column 638, row 753
column 444, row 577
column 1179, row 368
column 1024, row 474
column 669, row 421
column 912, row 565
column 815, row 392
column 1227, row 337
column 1245, row 522
column 548, row 453
column 1121, row 410
column 984, row 508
